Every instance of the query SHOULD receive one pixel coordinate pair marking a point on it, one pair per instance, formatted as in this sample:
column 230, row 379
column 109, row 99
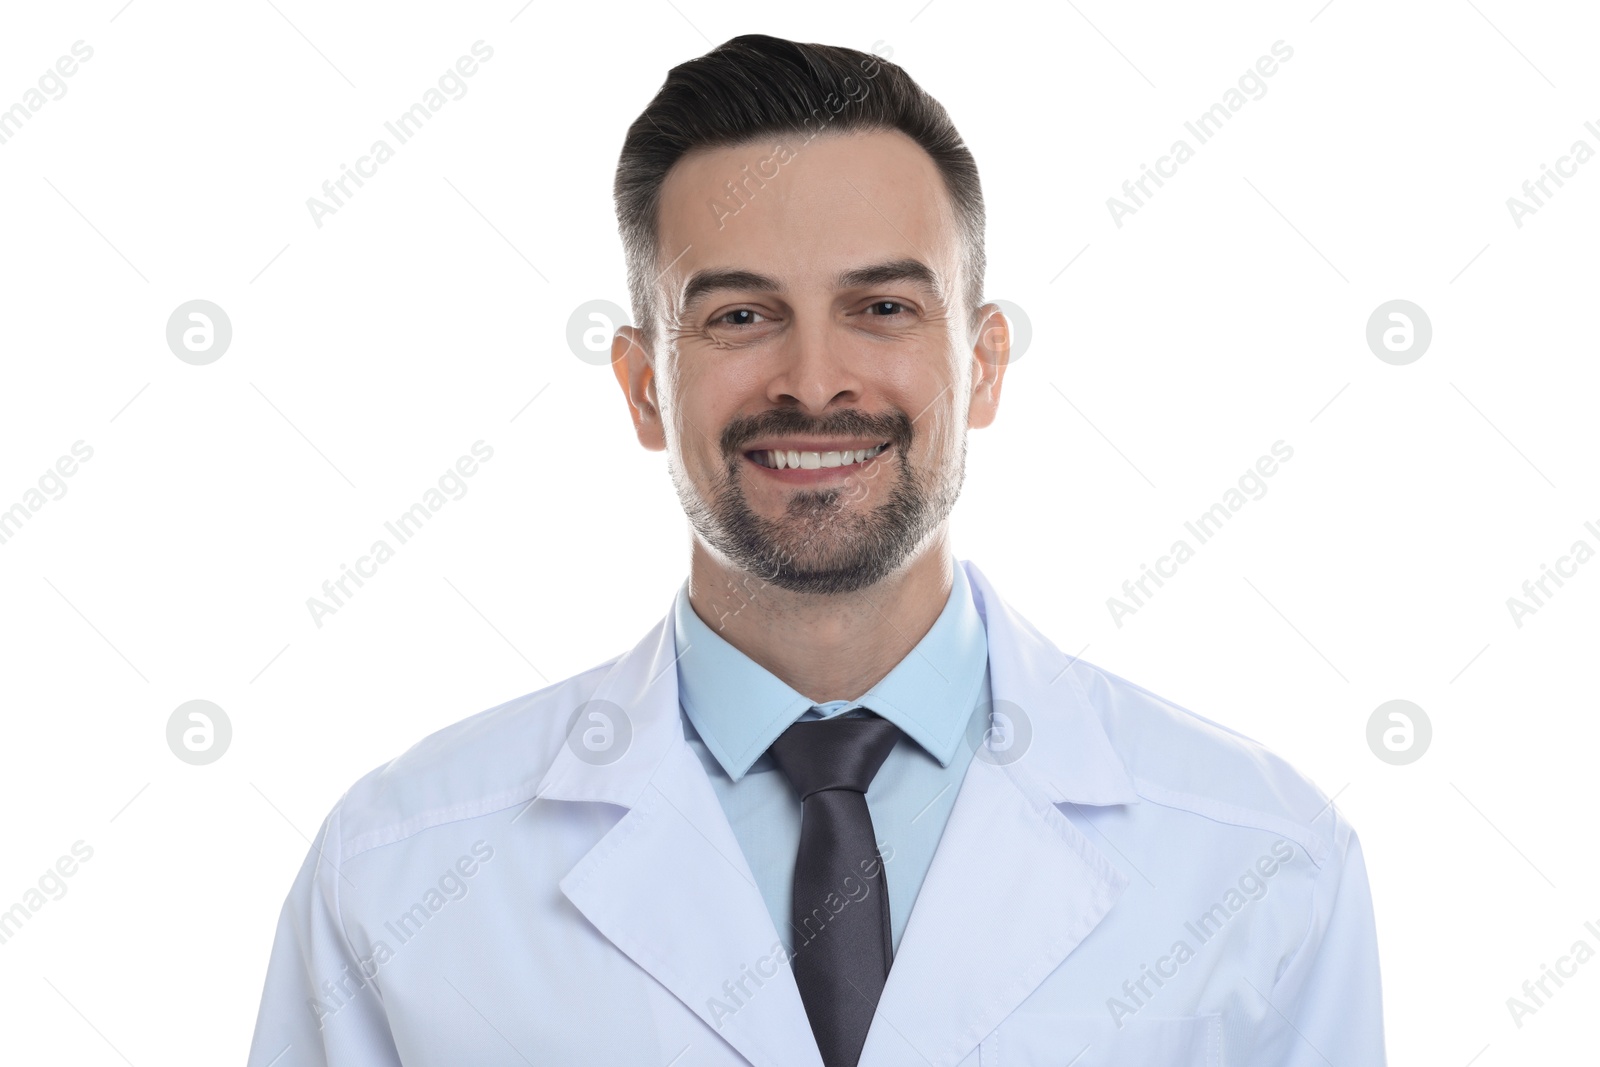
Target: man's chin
column 819, row 571
column 825, row 582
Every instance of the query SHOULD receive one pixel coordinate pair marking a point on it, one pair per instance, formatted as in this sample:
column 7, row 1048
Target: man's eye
column 740, row 317
column 886, row 307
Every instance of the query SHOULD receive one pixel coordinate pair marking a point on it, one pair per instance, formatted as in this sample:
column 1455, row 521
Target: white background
column 426, row 314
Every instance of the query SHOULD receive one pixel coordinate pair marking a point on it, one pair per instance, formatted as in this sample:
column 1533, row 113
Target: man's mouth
column 792, row 459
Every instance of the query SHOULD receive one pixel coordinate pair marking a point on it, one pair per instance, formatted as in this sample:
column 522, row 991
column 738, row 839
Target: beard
column 829, row 541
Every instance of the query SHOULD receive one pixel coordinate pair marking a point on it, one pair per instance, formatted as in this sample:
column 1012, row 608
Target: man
column 841, row 804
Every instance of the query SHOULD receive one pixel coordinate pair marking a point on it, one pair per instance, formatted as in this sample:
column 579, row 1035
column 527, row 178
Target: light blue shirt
column 734, row 708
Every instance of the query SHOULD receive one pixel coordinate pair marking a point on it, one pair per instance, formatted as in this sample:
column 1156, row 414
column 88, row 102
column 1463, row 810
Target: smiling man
column 841, row 804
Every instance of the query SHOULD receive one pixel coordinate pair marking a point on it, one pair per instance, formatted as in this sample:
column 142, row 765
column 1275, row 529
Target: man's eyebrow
column 702, row 282
column 900, row 270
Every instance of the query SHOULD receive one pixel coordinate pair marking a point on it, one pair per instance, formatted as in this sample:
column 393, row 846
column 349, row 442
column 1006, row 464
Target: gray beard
column 825, row 544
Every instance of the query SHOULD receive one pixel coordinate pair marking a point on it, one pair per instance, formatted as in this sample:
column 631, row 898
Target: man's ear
column 991, row 354
column 634, row 367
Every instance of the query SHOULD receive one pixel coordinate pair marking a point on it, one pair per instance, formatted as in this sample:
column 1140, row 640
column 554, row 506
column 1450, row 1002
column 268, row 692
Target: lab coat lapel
column 1014, row 886
column 668, row 884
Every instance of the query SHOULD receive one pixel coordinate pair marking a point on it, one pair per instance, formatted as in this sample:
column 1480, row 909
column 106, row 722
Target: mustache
column 787, row 422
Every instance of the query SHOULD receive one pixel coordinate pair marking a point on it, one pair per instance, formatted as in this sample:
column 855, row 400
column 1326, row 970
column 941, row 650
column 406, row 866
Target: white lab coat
column 1127, row 884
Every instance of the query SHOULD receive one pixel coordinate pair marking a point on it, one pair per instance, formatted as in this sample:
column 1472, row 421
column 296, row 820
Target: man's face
column 820, row 319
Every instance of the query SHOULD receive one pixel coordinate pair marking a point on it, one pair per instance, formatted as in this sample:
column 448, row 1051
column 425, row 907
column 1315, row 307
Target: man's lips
column 820, row 461
column 815, row 444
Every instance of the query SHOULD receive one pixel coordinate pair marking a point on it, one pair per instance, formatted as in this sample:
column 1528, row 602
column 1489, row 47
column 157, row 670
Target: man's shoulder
column 1179, row 759
column 486, row 762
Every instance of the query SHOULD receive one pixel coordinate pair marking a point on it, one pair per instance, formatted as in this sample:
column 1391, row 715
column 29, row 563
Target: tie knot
column 836, row 753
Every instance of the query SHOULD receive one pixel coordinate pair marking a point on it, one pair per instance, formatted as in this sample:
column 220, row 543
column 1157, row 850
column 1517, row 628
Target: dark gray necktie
column 843, row 948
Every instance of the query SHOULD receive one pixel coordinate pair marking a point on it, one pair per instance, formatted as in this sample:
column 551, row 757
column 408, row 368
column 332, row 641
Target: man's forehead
column 824, row 212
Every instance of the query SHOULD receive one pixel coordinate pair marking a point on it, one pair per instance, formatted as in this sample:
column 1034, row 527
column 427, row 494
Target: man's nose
column 818, row 367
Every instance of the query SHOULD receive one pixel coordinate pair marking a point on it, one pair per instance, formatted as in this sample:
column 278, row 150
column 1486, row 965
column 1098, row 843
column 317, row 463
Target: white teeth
column 791, row 459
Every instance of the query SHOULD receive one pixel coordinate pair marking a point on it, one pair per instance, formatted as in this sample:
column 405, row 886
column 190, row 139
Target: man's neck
column 824, row 647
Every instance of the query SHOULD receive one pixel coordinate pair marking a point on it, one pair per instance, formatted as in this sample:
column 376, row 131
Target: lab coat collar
column 669, row 885
column 1069, row 756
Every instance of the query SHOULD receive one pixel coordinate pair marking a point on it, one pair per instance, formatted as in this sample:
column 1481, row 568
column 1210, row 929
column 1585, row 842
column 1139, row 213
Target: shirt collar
column 739, row 708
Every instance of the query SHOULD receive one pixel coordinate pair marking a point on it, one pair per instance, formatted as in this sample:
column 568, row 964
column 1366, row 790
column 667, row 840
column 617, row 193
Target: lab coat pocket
column 1037, row 1039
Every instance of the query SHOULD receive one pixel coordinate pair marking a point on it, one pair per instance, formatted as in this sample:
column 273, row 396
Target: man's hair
column 755, row 86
